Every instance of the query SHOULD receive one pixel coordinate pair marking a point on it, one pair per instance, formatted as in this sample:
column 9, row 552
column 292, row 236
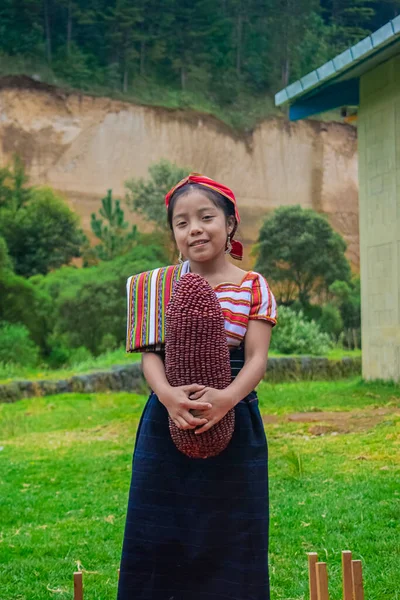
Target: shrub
column 108, row 343
column 331, row 321
column 295, row 335
column 90, row 308
column 42, row 235
column 22, row 303
column 79, row 355
column 5, row 260
column 16, row 345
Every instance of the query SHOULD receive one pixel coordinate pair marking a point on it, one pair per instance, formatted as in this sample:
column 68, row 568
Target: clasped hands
column 196, row 406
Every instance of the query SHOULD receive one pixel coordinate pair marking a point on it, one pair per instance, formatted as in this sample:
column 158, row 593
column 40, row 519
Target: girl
column 198, row 529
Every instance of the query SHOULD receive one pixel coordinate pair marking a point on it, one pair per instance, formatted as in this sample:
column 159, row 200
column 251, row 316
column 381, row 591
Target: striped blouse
column 250, row 299
column 148, row 295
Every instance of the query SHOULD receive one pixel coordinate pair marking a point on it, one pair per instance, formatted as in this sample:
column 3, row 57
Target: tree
column 123, row 35
column 299, row 249
column 289, row 22
column 347, row 297
column 115, row 237
column 147, row 198
column 14, row 189
column 90, row 303
column 41, row 235
column 5, row 260
column 22, row 303
column 21, row 27
column 350, row 21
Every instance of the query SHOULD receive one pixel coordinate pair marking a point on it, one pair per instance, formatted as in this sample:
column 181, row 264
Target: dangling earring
column 180, row 259
column 228, row 248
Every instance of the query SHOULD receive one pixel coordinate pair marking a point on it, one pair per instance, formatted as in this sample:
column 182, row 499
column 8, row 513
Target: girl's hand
column 176, row 401
column 221, row 403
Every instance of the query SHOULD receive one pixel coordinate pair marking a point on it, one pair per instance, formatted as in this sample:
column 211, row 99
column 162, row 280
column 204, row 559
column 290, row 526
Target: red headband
column 237, row 247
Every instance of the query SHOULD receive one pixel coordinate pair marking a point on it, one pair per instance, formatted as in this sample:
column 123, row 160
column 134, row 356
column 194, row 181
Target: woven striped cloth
column 148, row 296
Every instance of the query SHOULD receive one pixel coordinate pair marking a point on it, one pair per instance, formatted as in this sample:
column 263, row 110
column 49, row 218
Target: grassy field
column 9, row 372
column 334, row 481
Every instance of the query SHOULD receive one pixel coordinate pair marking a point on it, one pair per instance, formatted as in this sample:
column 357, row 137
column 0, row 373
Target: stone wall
column 129, row 378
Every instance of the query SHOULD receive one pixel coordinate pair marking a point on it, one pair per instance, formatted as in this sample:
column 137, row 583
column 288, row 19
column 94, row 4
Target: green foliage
column 290, row 23
column 78, row 356
column 40, row 230
column 347, row 297
column 22, row 303
column 59, row 354
column 295, row 335
column 16, row 345
column 213, row 54
column 351, row 21
column 95, row 308
column 108, row 343
column 14, row 190
column 147, row 197
column 331, row 321
column 76, row 67
column 5, row 260
column 89, row 305
column 298, row 249
column 113, row 231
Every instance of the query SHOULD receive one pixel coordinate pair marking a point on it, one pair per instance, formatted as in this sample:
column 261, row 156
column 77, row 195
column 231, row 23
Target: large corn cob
column 196, row 351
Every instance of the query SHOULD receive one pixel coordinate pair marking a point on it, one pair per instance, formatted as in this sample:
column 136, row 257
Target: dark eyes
column 204, row 218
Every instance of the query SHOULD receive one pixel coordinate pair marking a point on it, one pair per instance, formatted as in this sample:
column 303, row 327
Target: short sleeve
column 263, row 303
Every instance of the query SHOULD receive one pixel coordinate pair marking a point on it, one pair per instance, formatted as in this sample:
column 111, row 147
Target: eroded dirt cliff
column 83, row 145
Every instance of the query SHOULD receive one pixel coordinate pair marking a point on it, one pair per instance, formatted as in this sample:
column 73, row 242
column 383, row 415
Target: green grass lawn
column 65, row 470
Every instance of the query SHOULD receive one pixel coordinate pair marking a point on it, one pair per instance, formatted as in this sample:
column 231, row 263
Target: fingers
column 179, row 422
column 188, row 421
column 193, row 388
column 198, row 395
column 193, row 405
column 204, row 428
column 199, row 414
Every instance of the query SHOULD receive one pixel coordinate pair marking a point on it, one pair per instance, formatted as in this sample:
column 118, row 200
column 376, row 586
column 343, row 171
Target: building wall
column 379, row 206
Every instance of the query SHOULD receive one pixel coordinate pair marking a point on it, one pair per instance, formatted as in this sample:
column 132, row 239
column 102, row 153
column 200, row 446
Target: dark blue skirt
column 197, row 529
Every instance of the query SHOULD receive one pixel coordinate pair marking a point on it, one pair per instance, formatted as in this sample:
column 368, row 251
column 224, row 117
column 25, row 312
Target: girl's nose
column 195, row 228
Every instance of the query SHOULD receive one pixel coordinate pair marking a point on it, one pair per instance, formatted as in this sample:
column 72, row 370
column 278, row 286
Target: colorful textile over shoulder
column 148, row 295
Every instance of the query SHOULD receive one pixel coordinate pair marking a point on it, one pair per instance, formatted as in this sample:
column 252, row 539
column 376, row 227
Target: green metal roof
column 350, row 64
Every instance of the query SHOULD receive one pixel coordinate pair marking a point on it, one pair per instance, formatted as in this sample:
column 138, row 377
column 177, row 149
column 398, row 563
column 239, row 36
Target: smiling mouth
column 199, row 243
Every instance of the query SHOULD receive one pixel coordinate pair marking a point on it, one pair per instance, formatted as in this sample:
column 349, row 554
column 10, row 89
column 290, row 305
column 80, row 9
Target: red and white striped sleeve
column 263, row 303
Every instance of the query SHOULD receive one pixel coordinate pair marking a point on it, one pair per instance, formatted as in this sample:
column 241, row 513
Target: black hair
column 216, row 198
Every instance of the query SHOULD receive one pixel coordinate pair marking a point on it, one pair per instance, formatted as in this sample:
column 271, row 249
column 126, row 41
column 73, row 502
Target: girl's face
column 200, row 228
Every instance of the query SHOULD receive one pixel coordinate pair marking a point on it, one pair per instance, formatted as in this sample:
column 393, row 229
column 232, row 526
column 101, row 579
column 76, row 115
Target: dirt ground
column 336, row 421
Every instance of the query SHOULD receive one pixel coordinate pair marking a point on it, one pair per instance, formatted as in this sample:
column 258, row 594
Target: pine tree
column 113, row 231
column 123, row 37
column 350, row 20
column 288, row 24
